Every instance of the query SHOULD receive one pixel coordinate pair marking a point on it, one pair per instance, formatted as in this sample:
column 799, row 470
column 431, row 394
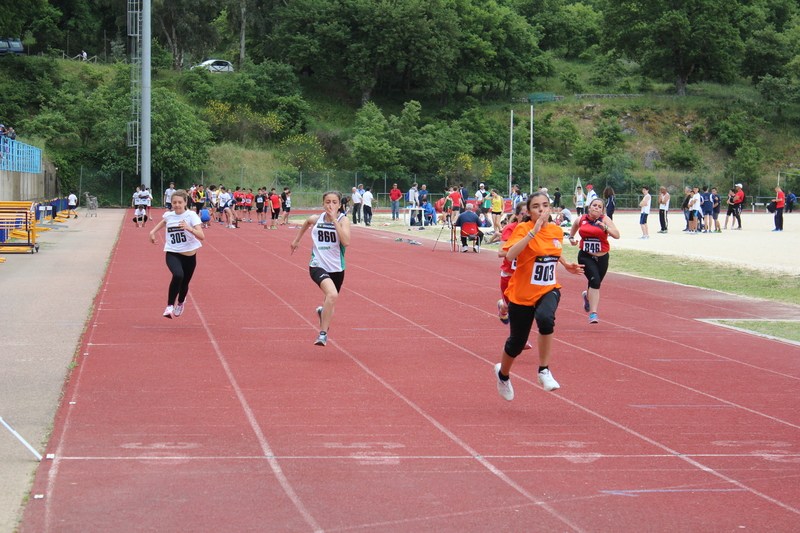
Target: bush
column 682, row 156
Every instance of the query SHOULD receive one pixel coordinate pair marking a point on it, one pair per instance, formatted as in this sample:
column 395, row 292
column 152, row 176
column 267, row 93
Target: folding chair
column 470, row 231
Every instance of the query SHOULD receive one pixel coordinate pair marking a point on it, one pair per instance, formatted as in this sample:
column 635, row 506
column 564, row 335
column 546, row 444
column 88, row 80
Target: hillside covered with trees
column 420, row 87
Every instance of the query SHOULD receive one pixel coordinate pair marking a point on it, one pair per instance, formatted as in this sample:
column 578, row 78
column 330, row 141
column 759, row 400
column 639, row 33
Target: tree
column 180, row 140
column 778, row 92
column 186, row 26
column 370, row 42
column 370, row 146
column 680, row 39
column 766, row 52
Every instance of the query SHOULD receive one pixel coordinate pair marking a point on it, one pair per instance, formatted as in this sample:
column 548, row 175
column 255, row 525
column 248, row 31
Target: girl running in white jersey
column 330, row 236
column 183, row 236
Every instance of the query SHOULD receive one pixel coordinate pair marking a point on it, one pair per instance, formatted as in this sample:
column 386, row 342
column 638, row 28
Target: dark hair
column 534, row 195
column 608, row 192
column 335, row 193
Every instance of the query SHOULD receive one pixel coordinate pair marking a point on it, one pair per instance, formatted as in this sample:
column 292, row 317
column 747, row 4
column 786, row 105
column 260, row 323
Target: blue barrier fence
column 17, row 156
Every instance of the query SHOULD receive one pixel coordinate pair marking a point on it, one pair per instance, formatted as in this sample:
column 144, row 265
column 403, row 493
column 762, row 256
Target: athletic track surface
column 229, row 419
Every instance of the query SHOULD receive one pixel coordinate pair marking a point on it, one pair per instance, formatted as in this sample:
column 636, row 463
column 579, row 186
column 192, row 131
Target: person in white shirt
column 366, row 199
column 184, row 232
column 72, row 203
column 663, row 209
column 590, row 194
column 356, row 200
column 694, row 211
column 579, row 198
column 168, row 196
column 225, row 207
column 645, row 205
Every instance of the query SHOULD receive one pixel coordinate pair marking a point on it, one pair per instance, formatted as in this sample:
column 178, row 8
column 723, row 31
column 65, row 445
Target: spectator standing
column 422, row 195
column 590, row 194
column 413, row 201
column 366, row 202
column 287, row 206
column 356, row 199
column 394, row 197
column 707, row 205
column 694, row 211
column 168, row 196
column 84, row 55
column 738, row 201
column 780, row 202
column 645, row 205
column 557, row 197
column 611, row 202
column 480, row 194
column 791, row 198
column 663, row 209
column 687, row 199
column 579, row 199
column 715, row 202
column 464, row 193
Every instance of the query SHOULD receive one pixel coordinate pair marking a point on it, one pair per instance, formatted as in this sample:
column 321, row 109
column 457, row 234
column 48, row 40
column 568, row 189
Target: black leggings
column 182, row 268
column 522, row 317
column 594, row 268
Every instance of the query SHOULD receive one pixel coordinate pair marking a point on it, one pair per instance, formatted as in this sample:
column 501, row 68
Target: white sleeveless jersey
column 327, row 251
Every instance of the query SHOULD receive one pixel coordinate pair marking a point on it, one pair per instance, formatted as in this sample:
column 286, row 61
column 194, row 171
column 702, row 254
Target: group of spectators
column 227, row 206
column 6, row 134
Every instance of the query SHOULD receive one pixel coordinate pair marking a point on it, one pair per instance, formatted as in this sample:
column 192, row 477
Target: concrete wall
column 23, row 186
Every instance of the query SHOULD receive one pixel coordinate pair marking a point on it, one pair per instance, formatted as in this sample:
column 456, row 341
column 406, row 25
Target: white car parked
column 215, row 65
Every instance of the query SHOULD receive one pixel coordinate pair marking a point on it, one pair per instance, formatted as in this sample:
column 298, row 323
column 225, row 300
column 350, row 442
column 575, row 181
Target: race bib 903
column 544, row 270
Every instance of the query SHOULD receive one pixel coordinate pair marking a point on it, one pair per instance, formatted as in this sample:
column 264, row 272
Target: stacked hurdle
column 18, row 221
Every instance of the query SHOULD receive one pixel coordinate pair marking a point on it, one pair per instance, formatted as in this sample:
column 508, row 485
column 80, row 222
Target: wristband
column 531, row 234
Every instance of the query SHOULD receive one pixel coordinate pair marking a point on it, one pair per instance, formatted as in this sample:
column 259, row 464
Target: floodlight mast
column 147, row 40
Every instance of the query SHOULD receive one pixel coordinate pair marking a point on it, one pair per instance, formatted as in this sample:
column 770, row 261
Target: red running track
column 229, row 419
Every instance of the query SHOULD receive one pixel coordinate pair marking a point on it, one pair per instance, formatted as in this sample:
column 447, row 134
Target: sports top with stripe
column 594, row 239
column 179, row 240
column 327, row 251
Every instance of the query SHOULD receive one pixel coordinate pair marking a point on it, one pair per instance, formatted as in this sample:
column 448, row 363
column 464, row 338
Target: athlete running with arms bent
column 329, row 238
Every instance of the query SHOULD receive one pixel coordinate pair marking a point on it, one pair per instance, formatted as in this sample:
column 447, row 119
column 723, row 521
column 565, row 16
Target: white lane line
column 273, row 462
column 574, row 404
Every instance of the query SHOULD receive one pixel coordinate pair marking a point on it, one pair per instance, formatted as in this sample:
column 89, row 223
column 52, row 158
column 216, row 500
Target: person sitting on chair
column 430, row 213
column 468, row 221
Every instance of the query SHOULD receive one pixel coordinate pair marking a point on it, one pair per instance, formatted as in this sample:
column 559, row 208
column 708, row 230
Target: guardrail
column 17, row 156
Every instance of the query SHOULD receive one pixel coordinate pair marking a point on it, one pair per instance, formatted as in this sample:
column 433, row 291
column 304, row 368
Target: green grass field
column 746, row 282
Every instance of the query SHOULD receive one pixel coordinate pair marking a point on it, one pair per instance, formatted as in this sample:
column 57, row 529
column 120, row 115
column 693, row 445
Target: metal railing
column 16, row 156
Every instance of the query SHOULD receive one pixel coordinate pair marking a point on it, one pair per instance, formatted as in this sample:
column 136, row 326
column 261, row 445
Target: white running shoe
column 547, row 381
column 168, row 312
column 322, row 340
column 178, row 311
column 503, row 387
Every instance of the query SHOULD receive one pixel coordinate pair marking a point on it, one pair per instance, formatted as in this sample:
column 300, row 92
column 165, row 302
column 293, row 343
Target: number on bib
column 326, row 236
column 544, row 271
column 591, row 246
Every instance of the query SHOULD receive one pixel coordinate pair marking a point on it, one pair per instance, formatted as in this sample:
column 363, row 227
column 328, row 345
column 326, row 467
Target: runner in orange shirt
column 533, row 291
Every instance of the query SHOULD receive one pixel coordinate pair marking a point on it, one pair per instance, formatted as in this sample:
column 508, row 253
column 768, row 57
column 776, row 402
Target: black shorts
column 319, row 274
column 259, row 209
column 168, row 205
column 522, row 317
column 275, row 213
column 287, row 209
